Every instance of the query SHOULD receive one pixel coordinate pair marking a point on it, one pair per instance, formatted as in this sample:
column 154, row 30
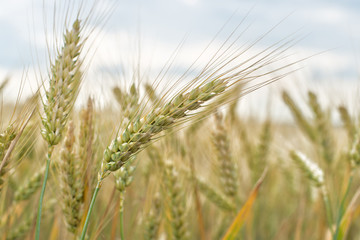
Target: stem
column 83, row 233
column 342, row 208
column 329, row 214
column 197, row 202
column 121, row 210
column 38, row 219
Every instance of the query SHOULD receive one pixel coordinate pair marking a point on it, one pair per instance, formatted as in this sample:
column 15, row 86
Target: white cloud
column 191, row 2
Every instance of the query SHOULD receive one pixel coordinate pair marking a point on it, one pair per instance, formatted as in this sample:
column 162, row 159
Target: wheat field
column 175, row 159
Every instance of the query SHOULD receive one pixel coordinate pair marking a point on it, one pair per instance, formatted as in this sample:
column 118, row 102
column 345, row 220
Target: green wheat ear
column 347, row 122
column 299, row 117
column 72, row 185
column 227, row 169
column 176, row 202
column 153, row 219
column 322, row 125
column 64, row 84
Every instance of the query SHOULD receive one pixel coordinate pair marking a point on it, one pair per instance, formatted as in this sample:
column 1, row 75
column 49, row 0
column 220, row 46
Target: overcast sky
column 325, row 26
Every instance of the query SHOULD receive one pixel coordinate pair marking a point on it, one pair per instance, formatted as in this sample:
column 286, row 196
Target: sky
column 325, row 32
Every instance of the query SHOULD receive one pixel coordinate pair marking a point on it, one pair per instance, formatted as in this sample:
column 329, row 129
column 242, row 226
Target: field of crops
column 176, row 159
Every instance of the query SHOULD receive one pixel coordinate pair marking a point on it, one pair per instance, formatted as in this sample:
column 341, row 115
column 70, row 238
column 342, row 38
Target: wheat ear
column 129, row 102
column 123, row 178
column 87, row 149
column 316, row 175
column 262, row 151
column 225, row 165
column 323, row 128
column 139, row 133
column 6, row 137
column 72, row 185
column 347, row 122
column 25, row 191
column 214, row 196
column 151, row 93
column 299, row 117
column 354, row 154
column 65, row 78
column 153, row 219
column 176, row 202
